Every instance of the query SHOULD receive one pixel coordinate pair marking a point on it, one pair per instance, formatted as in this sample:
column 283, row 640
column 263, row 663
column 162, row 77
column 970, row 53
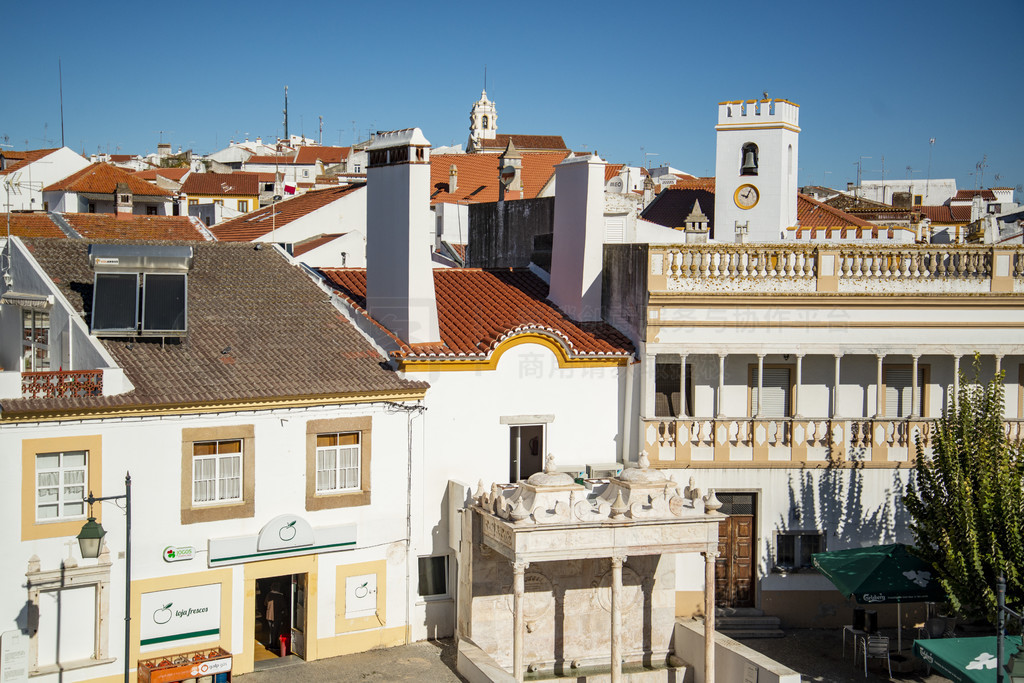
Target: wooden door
column 737, row 535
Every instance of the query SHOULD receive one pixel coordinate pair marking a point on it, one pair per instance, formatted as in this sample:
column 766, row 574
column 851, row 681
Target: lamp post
column 90, row 540
column 1015, row 667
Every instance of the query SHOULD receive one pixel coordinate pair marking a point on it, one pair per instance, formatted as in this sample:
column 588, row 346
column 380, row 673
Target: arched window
column 748, row 159
column 485, row 121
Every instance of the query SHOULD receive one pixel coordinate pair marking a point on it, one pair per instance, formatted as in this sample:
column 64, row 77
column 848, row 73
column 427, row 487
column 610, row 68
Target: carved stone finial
column 619, row 507
column 644, row 462
column 519, row 512
column 480, row 493
column 711, row 502
column 549, row 463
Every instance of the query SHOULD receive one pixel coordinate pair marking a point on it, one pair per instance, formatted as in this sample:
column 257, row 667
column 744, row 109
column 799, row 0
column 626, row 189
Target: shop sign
column 180, row 614
column 179, row 553
column 13, row 657
column 283, row 536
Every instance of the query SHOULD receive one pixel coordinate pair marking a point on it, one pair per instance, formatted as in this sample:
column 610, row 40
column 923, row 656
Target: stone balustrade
column 793, row 442
column 838, row 267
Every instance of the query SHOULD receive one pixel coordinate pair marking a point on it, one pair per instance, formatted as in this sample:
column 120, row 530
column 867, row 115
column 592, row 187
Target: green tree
column 966, row 501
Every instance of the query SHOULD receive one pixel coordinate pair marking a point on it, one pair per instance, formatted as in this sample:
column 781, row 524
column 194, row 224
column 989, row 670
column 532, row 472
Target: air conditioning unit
column 603, row 470
column 574, row 471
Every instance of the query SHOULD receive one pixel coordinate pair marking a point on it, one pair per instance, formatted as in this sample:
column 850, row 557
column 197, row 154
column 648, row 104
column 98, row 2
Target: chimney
column 453, row 179
column 123, row 201
column 163, row 149
column 510, row 173
column 696, row 225
column 399, row 229
column 648, row 190
column 578, row 248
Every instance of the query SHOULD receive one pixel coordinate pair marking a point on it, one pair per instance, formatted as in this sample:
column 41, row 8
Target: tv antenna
column 980, row 168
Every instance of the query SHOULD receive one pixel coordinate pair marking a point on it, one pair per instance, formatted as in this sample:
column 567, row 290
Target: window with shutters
column 898, row 394
column 777, row 390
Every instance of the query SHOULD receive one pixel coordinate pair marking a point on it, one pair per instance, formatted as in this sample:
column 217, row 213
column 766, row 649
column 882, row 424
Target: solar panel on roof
column 163, row 303
column 115, row 301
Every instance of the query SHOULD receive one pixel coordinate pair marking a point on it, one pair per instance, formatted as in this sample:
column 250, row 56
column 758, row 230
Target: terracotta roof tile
column 814, row 214
column 694, row 184
column 222, row 184
column 108, row 226
column 282, row 159
column 478, row 176
column 260, row 222
column 526, row 142
column 968, row 195
column 27, row 225
column 328, row 155
column 175, row 174
column 612, row 170
column 23, row 158
column 103, row 179
column 478, row 309
column 258, row 329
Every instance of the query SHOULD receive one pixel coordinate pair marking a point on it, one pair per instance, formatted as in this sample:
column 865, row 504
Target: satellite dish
column 507, row 175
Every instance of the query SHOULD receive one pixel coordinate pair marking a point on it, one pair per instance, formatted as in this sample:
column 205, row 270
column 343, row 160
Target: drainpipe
column 627, row 413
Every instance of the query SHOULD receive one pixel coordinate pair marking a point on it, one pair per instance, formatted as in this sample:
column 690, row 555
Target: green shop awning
column 881, row 573
column 965, row 660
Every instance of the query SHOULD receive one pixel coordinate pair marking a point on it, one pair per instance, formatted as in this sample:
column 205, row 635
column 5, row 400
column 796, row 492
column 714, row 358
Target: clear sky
column 873, row 78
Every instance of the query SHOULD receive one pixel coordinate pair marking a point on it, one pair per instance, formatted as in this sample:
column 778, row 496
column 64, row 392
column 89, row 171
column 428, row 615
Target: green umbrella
column 965, row 660
column 880, row 574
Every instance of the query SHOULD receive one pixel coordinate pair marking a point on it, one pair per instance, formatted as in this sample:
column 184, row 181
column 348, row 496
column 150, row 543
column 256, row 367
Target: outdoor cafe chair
column 876, row 647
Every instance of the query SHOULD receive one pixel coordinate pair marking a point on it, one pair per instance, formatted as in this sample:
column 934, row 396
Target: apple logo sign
column 287, row 532
column 163, row 615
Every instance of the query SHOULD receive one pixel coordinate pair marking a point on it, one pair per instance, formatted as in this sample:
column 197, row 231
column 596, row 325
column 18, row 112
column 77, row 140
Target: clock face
column 746, row 196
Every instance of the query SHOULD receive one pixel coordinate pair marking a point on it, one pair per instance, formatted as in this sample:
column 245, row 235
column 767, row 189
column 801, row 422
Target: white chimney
column 578, row 249
column 399, row 229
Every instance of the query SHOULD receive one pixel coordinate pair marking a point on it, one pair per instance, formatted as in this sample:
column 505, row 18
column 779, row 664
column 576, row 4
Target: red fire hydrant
column 284, row 646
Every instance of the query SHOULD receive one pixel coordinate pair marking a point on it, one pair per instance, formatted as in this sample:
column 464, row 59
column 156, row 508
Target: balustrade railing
column 798, row 261
column 61, row 383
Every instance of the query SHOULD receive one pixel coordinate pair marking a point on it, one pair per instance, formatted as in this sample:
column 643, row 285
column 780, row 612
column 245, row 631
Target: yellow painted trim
column 305, row 564
column 351, row 643
column 763, row 126
column 736, row 196
column 342, row 624
column 162, row 583
column 491, row 362
column 212, row 407
column 30, row 529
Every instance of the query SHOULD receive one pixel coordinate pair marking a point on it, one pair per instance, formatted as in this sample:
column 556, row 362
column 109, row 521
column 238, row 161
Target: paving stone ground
column 816, row 654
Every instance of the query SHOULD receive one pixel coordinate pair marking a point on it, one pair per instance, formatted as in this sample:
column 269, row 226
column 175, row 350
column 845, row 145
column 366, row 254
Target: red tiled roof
column 459, row 249
column 968, row 195
column 122, row 157
column 282, row 159
column 612, row 170
column 478, row 176
column 175, row 174
column 813, row 214
column 328, row 155
column 526, row 142
column 300, row 248
column 104, row 179
column 31, row 225
column 478, row 309
column 107, row 226
column 694, row 184
column 260, row 222
column 264, row 176
column 936, row 214
column 222, row 184
column 23, row 158
column 961, row 214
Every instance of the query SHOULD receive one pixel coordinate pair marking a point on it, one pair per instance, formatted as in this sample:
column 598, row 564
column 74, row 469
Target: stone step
column 728, row 623
column 738, row 612
column 754, row 633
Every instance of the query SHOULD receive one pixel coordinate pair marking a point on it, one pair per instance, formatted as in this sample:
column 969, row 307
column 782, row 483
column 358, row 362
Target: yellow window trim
column 565, row 361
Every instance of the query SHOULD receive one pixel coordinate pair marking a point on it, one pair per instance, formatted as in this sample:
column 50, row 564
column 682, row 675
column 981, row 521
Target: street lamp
column 90, row 540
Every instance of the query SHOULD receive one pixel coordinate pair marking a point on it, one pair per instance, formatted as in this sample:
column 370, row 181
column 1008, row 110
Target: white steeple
column 483, row 121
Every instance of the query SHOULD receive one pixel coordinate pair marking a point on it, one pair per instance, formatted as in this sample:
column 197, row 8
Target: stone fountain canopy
column 640, row 512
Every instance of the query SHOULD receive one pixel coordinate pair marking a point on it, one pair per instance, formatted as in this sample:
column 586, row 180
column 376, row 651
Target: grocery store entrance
column 280, row 618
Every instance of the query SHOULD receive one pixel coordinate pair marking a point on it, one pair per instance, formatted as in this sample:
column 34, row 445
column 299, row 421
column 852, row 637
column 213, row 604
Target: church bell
column 749, row 166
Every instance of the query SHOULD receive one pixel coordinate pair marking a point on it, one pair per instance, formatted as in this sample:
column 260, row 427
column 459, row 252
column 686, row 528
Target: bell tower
column 483, row 122
column 756, row 169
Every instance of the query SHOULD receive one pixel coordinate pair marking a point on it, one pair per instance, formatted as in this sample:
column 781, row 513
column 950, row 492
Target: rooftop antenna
column 860, row 165
column 286, row 113
column 485, row 78
column 321, row 129
column 931, row 145
column 60, row 77
column 980, row 167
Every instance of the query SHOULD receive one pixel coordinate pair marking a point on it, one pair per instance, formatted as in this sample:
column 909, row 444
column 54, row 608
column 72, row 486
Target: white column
column 721, row 385
column 878, row 388
column 796, row 387
column 518, row 619
column 682, row 386
column 709, row 615
column 760, row 383
column 650, row 367
column 914, row 388
column 616, row 663
column 999, row 362
column 956, row 379
column 835, row 388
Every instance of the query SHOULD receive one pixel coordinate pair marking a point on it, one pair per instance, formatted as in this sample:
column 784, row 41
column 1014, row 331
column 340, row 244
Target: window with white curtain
column 216, row 471
column 338, row 461
column 61, row 480
column 777, row 390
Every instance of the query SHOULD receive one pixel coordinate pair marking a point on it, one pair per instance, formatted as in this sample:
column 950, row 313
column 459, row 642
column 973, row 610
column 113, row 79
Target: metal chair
column 876, row 647
column 932, row 628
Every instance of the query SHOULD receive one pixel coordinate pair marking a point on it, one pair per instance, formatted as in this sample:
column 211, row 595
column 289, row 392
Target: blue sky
column 873, row 78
